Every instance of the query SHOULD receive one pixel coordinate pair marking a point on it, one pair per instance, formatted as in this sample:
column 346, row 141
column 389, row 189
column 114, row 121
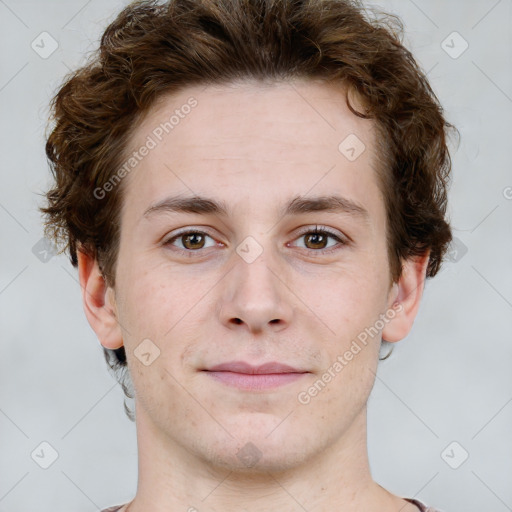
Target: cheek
column 141, row 308
column 348, row 300
column 171, row 310
column 156, row 299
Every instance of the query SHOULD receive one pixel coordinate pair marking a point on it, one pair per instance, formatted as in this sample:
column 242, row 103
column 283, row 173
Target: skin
column 254, row 147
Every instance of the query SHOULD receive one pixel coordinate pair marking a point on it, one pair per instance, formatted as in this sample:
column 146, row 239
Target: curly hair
column 152, row 49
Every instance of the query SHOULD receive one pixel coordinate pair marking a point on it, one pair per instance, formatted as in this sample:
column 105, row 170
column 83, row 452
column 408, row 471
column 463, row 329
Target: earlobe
column 405, row 298
column 98, row 302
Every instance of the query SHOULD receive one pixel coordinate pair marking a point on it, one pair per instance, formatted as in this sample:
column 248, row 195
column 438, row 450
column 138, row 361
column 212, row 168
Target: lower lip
column 255, row 382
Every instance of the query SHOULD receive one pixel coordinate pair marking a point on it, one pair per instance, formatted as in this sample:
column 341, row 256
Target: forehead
column 301, row 112
column 285, row 138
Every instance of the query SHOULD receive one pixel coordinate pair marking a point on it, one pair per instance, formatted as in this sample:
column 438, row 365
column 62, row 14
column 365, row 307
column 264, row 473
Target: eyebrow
column 299, row 205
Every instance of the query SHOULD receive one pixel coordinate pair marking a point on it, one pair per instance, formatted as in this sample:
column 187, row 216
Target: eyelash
column 309, row 231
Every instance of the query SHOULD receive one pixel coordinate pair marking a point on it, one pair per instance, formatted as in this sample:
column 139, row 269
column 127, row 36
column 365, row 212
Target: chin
column 262, row 450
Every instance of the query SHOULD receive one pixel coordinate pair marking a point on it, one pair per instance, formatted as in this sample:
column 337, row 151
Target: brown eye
column 317, row 240
column 193, row 241
column 320, row 241
column 190, row 241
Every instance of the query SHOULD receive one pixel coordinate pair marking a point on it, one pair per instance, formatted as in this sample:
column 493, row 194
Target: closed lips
column 246, row 368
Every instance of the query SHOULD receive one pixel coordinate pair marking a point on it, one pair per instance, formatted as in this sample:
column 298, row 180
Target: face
column 247, row 296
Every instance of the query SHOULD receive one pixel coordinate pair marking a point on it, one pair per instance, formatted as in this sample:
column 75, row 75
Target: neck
column 172, row 478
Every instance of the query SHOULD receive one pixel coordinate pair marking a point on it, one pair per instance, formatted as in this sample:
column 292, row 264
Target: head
column 256, row 110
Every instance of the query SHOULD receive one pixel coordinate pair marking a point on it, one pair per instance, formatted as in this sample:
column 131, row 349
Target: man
column 254, row 194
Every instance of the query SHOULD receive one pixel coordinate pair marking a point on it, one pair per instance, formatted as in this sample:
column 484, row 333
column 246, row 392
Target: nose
column 255, row 297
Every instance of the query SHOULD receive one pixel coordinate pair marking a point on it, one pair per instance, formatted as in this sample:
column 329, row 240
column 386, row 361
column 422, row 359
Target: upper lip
column 262, row 369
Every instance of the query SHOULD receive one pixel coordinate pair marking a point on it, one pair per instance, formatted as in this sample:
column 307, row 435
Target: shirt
column 421, row 507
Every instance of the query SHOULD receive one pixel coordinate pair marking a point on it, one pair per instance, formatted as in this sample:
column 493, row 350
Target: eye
column 191, row 240
column 317, row 240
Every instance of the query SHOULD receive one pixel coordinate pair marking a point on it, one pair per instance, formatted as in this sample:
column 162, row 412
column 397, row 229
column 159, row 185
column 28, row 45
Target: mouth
column 242, row 375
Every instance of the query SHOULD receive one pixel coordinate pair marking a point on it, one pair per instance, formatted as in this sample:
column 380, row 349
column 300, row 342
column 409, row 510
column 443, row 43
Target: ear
column 99, row 302
column 405, row 297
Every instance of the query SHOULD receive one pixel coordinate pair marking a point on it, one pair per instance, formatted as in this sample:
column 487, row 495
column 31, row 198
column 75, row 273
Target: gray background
column 449, row 381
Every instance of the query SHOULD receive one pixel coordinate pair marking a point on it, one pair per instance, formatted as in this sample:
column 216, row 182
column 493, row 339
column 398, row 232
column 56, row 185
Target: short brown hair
column 152, row 49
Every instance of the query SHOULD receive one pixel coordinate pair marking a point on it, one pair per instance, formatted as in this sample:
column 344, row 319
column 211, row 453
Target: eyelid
column 323, row 229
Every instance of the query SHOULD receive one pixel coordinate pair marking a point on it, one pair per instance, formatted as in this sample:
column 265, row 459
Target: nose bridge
column 256, row 295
